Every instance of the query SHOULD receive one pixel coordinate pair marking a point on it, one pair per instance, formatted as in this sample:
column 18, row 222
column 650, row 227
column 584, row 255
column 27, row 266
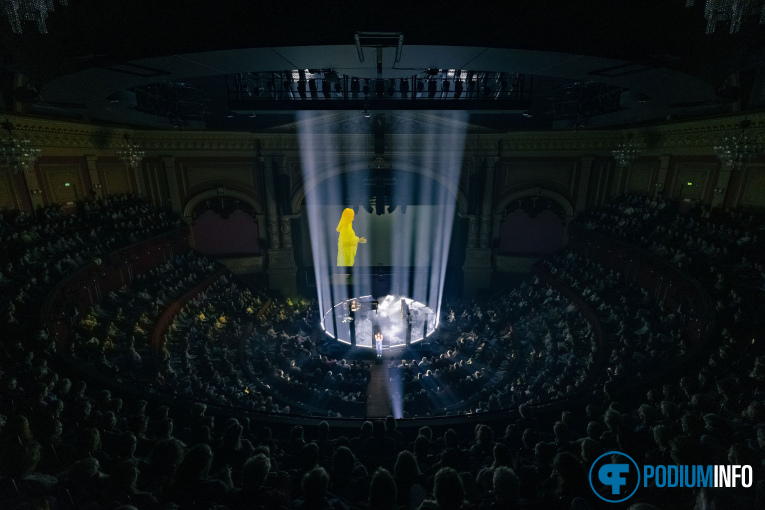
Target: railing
column 668, row 284
column 665, row 281
column 597, row 328
column 167, row 316
column 88, row 284
column 281, row 90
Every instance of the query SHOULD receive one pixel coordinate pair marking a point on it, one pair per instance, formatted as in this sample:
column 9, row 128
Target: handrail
column 631, row 250
column 44, row 317
column 156, row 341
column 500, row 415
column 593, row 319
column 706, row 301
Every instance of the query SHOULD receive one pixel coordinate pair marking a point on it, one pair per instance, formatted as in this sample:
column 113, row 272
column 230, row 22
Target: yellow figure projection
column 347, row 242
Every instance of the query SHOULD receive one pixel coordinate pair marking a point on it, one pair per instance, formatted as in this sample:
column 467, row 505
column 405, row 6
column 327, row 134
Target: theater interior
column 553, row 255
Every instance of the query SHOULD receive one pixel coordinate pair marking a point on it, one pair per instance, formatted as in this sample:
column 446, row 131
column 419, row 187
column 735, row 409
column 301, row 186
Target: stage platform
column 389, row 315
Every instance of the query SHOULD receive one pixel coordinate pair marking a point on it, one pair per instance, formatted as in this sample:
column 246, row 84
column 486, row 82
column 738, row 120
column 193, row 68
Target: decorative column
column 34, row 188
column 271, row 214
column 723, row 178
column 282, row 271
column 584, row 183
column 618, row 176
column 286, row 231
column 141, row 186
column 477, row 271
column 488, row 200
column 662, row 177
column 172, row 183
column 94, row 179
column 472, row 241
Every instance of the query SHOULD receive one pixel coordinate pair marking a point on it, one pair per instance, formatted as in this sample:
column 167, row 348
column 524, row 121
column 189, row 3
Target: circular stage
column 389, row 315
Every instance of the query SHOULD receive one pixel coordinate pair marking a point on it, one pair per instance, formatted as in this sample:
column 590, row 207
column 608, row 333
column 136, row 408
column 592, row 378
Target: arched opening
column 532, row 224
column 225, row 227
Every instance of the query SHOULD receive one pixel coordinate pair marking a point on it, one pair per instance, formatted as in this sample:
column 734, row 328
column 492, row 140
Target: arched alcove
column 532, row 222
column 333, row 171
column 225, row 225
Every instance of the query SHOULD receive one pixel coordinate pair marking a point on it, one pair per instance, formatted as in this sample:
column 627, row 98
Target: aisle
column 378, row 400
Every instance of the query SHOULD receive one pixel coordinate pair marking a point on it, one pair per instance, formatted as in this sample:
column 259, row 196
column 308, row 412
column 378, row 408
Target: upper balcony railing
column 433, row 89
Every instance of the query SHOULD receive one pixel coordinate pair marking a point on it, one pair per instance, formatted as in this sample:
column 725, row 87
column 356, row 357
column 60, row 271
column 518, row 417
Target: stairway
column 378, row 399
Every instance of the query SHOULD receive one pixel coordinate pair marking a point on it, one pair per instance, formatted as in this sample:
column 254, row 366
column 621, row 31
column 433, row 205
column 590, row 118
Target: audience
column 576, row 361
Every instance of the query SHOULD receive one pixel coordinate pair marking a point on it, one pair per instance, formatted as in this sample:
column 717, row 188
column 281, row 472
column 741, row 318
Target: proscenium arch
column 215, row 193
column 329, row 171
column 537, row 192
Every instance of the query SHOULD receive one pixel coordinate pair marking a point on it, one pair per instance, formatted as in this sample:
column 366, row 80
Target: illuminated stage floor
column 388, row 318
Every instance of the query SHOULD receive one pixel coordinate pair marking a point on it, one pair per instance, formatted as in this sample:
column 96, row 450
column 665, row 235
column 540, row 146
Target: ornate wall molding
column 214, row 193
column 326, row 168
column 510, row 264
column 693, row 134
column 539, row 192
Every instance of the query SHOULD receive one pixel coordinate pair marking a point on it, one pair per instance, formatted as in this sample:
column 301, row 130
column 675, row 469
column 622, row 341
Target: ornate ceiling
column 654, row 55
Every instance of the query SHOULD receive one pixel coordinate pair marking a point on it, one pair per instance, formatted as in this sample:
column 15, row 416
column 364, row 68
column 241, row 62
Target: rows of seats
column 642, row 333
column 70, row 443
column 527, row 345
column 282, row 354
column 38, row 249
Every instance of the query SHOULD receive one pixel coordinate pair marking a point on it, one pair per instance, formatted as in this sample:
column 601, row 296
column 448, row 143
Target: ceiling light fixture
column 730, row 10
column 17, row 153
column 131, row 152
column 626, row 152
column 739, row 148
column 30, row 10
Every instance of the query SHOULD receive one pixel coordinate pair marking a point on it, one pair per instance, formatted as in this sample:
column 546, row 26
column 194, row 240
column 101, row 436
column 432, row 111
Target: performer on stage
column 347, row 241
column 378, row 343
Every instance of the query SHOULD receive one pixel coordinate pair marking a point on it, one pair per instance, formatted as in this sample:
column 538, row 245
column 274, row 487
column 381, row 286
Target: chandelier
column 130, row 152
column 730, row 10
column 739, row 148
column 17, row 153
column 626, row 152
column 30, row 10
